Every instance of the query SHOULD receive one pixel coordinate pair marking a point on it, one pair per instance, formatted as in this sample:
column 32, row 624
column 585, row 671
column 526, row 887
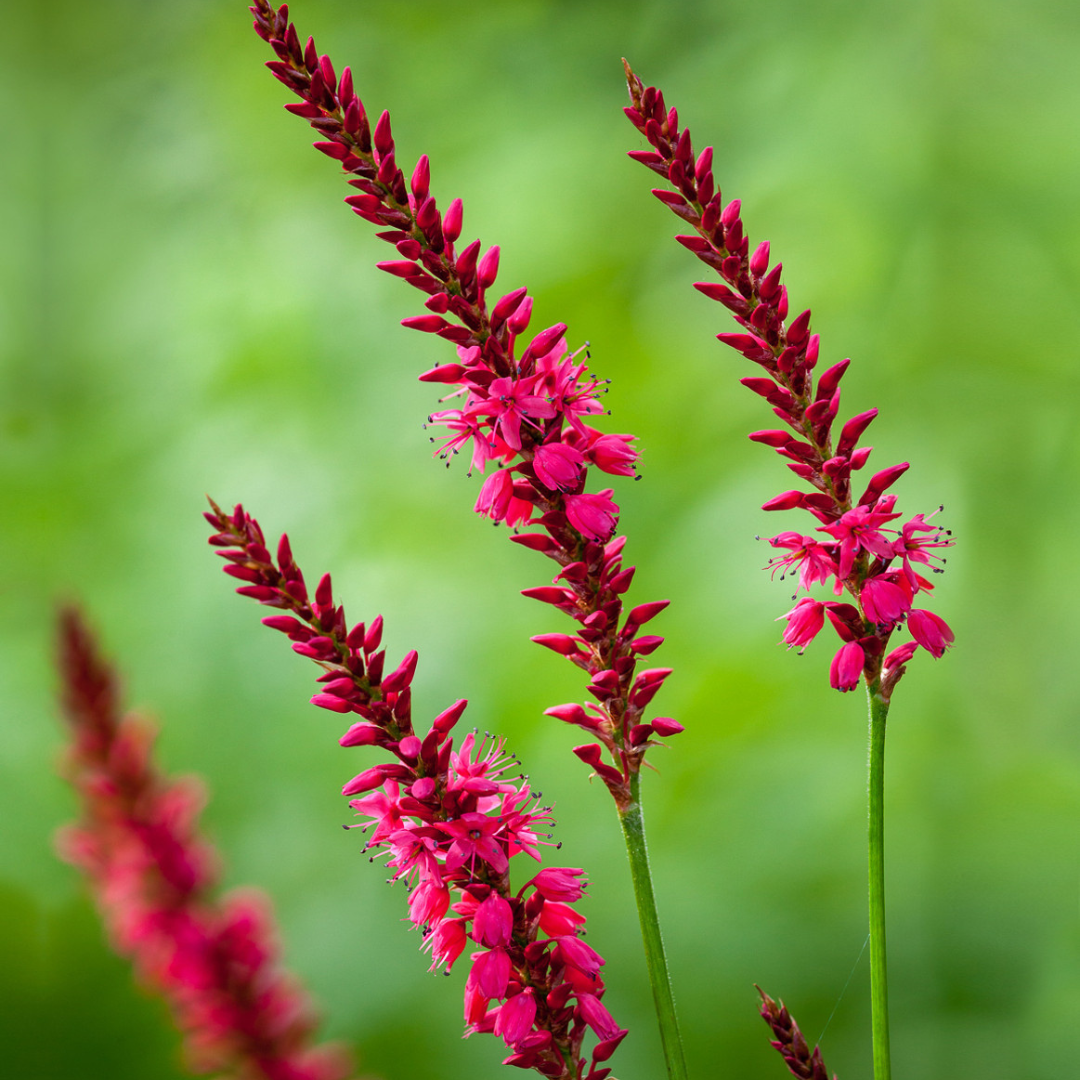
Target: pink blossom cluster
column 523, row 409
column 152, row 874
column 878, row 566
column 449, row 822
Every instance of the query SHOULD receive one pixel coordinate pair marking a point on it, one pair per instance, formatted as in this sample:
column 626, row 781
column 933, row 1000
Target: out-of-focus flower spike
column 213, row 959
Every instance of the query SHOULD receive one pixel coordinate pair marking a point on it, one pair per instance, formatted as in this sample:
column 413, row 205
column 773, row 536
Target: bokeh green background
column 188, row 308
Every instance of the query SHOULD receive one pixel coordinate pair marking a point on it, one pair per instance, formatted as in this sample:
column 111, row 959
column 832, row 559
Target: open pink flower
column 813, row 561
column 475, row 837
column 861, row 529
column 512, row 402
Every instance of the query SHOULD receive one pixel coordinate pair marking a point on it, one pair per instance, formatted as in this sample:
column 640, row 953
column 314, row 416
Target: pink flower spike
column 594, row 516
column 930, row 631
column 847, row 666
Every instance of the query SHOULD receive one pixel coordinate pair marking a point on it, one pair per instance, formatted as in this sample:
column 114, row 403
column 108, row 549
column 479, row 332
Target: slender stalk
column 633, row 826
column 879, row 982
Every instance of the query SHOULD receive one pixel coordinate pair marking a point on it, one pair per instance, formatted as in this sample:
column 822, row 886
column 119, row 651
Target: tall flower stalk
column 449, row 822
column 860, row 556
column 152, row 874
column 523, row 404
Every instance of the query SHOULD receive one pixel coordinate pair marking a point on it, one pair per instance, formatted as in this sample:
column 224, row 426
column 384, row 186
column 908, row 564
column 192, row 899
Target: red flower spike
column 214, row 959
column 859, row 562
column 450, row 821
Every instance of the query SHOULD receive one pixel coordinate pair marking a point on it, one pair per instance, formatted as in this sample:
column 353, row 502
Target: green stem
column 633, row 826
column 879, row 982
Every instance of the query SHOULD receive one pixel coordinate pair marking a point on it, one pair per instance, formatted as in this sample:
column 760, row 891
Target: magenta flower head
column 859, row 550
column 152, row 874
column 448, row 821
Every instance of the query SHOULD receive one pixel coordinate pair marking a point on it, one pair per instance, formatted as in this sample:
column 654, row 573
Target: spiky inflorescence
column 790, row 1042
column 523, row 409
column 872, row 563
column 137, row 841
column 449, row 823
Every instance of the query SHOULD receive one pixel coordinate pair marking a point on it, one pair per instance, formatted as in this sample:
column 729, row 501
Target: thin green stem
column 879, row 981
column 633, row 826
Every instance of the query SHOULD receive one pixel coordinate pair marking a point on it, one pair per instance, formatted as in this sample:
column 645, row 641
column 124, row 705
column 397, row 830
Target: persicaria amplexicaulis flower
column 860, row 551
column 523, row 402
column 448, row 822
column 137, row 841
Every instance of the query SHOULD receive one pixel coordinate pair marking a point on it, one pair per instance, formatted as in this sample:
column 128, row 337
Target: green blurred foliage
column 188, row 308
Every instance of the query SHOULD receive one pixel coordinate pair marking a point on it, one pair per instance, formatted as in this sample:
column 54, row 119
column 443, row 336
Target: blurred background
column 188, row 307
